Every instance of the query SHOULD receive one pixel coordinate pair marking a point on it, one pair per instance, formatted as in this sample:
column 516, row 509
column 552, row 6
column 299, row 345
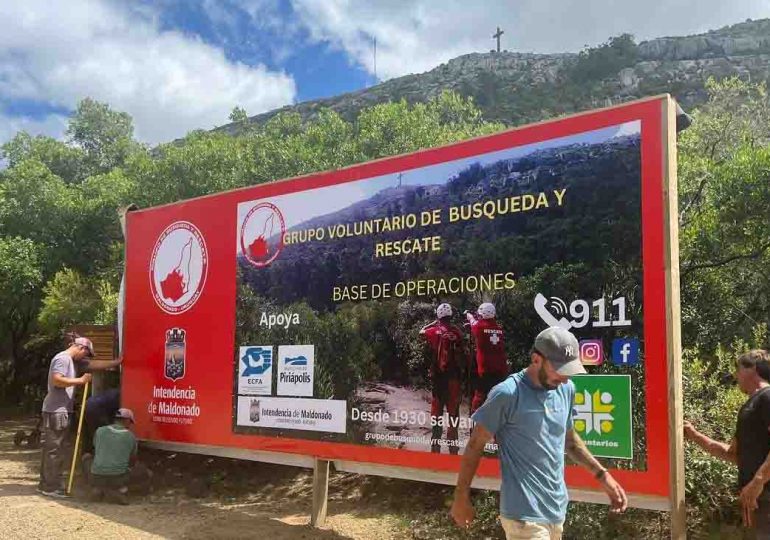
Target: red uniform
column 491, row 365
column 446, row 343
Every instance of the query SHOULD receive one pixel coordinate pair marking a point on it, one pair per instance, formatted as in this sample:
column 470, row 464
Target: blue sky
column 319, row 69
column 178, row 65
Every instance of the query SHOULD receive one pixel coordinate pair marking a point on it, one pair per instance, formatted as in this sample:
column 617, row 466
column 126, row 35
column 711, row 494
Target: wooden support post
column 674, row 353
column 320, row 492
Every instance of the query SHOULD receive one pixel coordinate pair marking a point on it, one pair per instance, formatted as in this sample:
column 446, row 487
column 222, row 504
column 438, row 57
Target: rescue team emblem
column 261, row 235
column 173, row 365
column 178, row 267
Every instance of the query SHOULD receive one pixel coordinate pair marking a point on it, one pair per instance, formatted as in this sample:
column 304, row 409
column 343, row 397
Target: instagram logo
column 591, row 352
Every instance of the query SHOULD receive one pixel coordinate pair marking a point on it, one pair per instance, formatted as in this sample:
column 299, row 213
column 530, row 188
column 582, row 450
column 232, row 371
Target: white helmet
column 487, row 311
column 444, row 310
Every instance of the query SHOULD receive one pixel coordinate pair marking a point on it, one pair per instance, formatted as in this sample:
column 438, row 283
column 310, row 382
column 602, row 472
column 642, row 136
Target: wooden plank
column 103, row 338
column 320, row 492
column 101, row 335
column 673, row 323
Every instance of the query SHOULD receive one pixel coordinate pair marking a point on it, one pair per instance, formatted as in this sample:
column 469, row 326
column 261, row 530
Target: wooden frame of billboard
column 675, row 503
column 673, row 319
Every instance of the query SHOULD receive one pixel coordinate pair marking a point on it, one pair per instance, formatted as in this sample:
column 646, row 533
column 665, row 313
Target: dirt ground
column 240, row 500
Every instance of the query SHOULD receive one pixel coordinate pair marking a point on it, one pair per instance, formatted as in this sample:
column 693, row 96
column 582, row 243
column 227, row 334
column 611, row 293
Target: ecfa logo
column 593, row 412
column 261, row 235
column 254, row 411
column 174, row 364
column 256, row 361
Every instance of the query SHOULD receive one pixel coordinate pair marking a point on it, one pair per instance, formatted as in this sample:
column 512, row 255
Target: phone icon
column 541, row 307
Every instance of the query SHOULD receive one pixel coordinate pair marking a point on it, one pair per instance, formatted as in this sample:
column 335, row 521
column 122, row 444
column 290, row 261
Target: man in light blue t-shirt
column 530, row 416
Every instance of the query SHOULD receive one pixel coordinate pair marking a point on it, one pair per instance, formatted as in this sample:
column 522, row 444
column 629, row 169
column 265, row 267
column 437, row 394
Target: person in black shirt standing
column 750, row 448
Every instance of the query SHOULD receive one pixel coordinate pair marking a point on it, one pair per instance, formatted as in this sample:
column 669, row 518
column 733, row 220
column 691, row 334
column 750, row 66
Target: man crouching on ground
column 530, row 415
column 114, row 453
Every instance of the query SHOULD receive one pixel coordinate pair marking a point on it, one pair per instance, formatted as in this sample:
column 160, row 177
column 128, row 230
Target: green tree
column 21, row 275
column 36, row 204
column 396, row 128
column 209, row 162
column 105, row 136
column 724, row 196
column 64, row 161
column 597, row 63
column 58, row 203
column 238, row 114
column 724, row 203
column 70, row 298
column 200, row 164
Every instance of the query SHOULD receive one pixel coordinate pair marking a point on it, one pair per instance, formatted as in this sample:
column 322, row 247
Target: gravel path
column 278, row 510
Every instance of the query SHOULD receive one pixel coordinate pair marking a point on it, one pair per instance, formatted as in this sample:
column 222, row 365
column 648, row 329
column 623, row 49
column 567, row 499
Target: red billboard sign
column 288, row 317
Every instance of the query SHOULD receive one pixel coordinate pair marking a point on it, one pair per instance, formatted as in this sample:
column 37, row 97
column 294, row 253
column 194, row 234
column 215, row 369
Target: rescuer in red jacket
column 447, row 366
column 491, row 365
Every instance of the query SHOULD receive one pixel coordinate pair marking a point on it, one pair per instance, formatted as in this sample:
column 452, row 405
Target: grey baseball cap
column 85, row 342
column 561, row 348
column 126, row 414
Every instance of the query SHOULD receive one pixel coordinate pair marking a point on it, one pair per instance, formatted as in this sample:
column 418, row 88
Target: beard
column 542, row 376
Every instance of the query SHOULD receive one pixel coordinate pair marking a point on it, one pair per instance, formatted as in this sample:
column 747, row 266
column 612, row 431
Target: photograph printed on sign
column 420, row 290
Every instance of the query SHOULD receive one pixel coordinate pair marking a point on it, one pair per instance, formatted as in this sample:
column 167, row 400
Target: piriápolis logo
column 178, row 267
column 261, row 234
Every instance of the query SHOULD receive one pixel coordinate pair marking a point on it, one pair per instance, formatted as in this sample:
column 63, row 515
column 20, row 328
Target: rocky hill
column 516, row 88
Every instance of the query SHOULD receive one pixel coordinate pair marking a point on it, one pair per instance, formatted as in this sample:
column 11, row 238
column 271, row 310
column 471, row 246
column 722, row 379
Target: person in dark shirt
column 100, row 411
column 750, row 447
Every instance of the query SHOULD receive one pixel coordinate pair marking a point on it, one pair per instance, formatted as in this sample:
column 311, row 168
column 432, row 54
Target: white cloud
column 263, row 17
column 416, row 35
column 60, row 52
column 53, row 125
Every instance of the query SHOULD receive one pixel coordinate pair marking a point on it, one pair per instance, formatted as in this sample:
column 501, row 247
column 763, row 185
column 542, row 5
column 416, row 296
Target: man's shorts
column 529, row 530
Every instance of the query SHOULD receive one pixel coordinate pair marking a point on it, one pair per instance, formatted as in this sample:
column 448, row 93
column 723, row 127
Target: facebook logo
column 625, row 351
